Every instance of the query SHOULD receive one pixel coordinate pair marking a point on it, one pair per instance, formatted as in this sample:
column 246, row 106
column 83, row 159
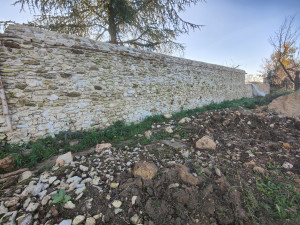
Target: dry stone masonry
column 56, row 82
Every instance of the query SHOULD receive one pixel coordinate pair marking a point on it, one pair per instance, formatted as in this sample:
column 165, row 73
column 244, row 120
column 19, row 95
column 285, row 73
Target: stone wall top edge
column 22, row 31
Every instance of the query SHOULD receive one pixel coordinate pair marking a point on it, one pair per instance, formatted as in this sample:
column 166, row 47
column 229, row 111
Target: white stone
column 25, row 175
column 184, row 120
column 287, row 165
column 67, row 158
column 185, row 153
column 66, row 222
column 9, row 218
column 79, row 190
column 90, row 221
column 118, row 210
column 87, row 180
column 103, row 146
column 169, row 130
column 74, row 179
column 42, row 194
column 39, row 188
column 174, row 185
column 114, row 185
column 52, row 179
column 83, row 168
column 218, row 172
column 27, row 220
column 96, row 217
column 135, row 219
column 96, row 181
column 117, row 203
column 32, row 207
column 3, row 209
column 69, row 205
column 11, row 202
column 46, row 199
column 167, row 115
column 78, row 219
column 133, row 199
column 26, row 203
column 56, row 182
column 79, row 196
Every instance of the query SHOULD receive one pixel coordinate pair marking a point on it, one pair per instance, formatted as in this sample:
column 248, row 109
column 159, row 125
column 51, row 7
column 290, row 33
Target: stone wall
column 264, row 87
column 57, row 82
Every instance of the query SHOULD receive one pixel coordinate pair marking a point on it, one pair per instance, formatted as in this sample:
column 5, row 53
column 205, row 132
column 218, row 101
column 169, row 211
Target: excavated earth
column 182, row 184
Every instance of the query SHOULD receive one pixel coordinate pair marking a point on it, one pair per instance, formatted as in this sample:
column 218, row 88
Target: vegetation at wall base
column 29, row 154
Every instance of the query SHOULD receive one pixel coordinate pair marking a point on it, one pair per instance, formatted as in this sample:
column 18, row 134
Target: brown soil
column 288, row 105
column 218, row 186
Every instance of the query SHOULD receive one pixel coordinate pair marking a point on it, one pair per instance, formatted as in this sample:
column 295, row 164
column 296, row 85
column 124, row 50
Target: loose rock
column 7, row 163
column 287, row 165
column 90, row 221
column 3, row 209
column 66, row 222
column 25, row 175
column 83, row 168
column 135, row 219
column 169, row 130
column 27, row 220
column 167, row 115
column 117, row 203
column 148, row 134
column 258, row 169
column 32, row 207
column 184, row 120
column 114, row 185
column 78, row 220
column 133, row 199
column 66, row 158
column 13, row 201
column 69, row 205
column 146, row 170
column 206, row 143
column 101, row 147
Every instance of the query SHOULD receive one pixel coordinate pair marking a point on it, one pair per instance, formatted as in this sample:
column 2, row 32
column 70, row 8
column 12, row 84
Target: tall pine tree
column 147, row 24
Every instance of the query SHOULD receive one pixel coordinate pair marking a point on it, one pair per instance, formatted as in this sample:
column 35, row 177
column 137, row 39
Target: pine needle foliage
column 145, row 24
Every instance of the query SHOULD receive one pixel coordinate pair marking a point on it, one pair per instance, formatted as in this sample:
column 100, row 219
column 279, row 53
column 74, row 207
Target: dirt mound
column 251, row 176
column 177, row 196
column 287, row 105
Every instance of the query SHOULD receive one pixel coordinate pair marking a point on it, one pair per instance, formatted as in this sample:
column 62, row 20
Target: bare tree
column 286, row 43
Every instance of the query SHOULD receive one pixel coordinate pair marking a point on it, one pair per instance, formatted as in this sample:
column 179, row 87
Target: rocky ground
column 220, row 167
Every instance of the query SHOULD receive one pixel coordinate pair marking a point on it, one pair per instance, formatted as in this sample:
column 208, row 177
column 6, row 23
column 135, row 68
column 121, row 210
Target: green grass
column 280, row 199
column 273, row 166
column 29, row 154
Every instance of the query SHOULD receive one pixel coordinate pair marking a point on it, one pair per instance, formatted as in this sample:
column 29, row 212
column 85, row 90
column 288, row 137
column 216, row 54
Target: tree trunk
column 297, row 84
column 112, row 28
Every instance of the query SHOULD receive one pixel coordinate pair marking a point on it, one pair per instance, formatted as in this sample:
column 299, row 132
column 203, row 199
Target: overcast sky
column 236, row 32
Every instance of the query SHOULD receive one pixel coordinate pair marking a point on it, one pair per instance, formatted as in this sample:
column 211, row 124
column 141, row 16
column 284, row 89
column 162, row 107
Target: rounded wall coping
column 77, row 42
